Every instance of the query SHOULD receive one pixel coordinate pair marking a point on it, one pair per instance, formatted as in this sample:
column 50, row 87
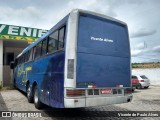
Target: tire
column 37, row 102
column 29, row 97
column 146, row 87
column 139, row 86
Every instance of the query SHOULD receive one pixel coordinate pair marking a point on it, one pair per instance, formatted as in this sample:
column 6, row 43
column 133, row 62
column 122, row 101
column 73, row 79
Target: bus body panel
column 103, row 55
column 100, row 52
column 102, row 71
column 48, row 73
column 52, row 79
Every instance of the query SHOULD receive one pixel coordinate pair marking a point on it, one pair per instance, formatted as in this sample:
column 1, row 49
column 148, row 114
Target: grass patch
column 146, row 65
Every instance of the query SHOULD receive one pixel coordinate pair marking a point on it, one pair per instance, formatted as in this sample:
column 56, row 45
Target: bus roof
column 64, row 20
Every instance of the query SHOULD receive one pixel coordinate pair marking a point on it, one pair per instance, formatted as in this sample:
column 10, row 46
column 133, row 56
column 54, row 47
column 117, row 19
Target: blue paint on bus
column 104, row 63
column 102, row 58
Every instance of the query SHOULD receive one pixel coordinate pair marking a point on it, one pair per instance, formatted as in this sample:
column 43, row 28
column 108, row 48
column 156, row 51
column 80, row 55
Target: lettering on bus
column 101, row 39
column 24, row 72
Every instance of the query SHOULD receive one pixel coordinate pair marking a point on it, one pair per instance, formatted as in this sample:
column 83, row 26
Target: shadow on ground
column 3, row 107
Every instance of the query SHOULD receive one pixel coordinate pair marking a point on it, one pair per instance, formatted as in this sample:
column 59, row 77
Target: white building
column 13, row 39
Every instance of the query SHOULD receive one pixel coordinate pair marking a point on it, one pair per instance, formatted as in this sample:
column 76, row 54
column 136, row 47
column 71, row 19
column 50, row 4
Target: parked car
column 135, row 82
column 143, row 81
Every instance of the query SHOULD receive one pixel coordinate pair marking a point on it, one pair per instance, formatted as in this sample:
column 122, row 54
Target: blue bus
column 84, row 60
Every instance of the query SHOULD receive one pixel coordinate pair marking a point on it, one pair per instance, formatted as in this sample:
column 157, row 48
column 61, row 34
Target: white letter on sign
column 26, row 32
column 2, row 27
column 41, row 32
column 13, row 30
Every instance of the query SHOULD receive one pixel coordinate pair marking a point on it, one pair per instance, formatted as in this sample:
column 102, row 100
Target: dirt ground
column 143, row 100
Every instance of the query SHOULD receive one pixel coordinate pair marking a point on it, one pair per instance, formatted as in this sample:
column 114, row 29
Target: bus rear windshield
column 102, row 36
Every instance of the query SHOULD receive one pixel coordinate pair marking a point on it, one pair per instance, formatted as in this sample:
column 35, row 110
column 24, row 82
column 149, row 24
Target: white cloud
column 142, row 32
column 25, row 17
column 140, row 46
column 141, row 16
column 136, row 52
column 156, row 49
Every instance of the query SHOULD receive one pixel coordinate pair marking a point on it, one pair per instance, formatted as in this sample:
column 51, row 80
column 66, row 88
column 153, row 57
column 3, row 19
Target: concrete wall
column 153, row 74
column 1, row 63
column 7, row 81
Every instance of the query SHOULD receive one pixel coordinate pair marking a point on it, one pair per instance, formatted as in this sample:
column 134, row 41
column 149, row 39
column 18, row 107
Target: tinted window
column 22, row 58
column 61, row 38
column 27, row 56
column 16, row 62
column 53, row 42
column 144, row 77
column 38, row 50
column 34, row 53
column 44, row 45
column 30, row 54
column 134, row 77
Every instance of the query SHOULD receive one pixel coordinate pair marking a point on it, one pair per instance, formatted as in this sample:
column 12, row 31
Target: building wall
column 1, row 63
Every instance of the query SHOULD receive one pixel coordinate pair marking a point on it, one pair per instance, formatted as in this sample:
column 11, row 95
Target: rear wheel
column 146, row 87
column 139, row 86
column 29, row 97
column 37, row 102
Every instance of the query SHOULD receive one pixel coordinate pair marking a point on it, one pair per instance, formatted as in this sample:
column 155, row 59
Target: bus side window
column 27, row 57
column 61, row 38
column 30, row 54
column 19, row 60
column 16, row 62
column 38, row 50
column 22, row 59
column 34, row 53
column 53, row 42
column 44, row 46
column 24, row 56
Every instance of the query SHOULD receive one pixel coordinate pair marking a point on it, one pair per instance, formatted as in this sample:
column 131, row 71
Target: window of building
column 10, row 58
column 53, row 42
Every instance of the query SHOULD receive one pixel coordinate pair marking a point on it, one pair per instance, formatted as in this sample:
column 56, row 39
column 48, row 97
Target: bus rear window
column 105, row 37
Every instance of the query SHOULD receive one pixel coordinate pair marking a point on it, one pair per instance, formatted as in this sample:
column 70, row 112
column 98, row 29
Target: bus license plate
column 106, row 91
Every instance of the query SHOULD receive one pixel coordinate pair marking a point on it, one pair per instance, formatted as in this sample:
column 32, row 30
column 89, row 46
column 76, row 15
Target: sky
column 141, row 16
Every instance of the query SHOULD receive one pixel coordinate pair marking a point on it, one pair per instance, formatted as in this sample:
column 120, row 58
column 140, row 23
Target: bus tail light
column 70, row 69
column 75, row 93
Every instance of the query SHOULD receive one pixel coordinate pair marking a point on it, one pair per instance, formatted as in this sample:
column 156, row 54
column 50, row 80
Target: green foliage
column 146, row 65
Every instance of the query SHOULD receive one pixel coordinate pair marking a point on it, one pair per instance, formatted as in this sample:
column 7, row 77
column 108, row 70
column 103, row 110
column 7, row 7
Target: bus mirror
column 12, row 65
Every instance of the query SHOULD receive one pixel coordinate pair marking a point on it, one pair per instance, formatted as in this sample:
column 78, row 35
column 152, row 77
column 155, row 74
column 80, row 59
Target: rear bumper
column 145, row 84
column 96, row 101
column 136, row 85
